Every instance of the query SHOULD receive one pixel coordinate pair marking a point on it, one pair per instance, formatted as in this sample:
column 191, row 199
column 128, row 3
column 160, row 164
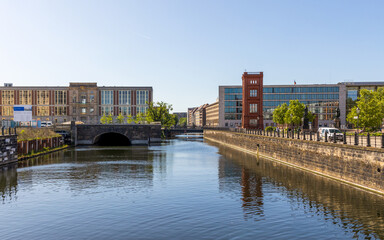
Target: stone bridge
column 115, row 134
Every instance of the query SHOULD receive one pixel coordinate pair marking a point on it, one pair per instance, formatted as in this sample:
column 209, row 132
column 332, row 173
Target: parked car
column 330, row 133
column 46, row 124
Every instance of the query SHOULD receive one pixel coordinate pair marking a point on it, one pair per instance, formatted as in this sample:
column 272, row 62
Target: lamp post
column 357, row 112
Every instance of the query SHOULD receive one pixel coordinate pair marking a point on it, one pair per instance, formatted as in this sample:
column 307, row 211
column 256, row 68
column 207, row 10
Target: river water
column 185, row 188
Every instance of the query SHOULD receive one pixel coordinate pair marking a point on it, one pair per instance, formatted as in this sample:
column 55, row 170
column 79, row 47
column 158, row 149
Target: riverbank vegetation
column 35, row 133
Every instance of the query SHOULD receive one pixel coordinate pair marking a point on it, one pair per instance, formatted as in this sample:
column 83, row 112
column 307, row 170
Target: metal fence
column 367, row 140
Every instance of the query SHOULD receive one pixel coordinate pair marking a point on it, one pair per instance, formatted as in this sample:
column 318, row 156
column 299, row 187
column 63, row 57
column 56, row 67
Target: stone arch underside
column 111, row 139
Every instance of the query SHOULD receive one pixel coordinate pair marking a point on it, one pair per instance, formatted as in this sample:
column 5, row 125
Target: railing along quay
column 355, row 139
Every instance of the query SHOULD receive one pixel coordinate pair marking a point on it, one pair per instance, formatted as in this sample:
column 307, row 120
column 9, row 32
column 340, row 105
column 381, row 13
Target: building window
column 74, row 110
column 125, row 97
column 60, row 111
column 60, row 97
column 253, row 93
column 74, row 99
column 42, row 111
column 125, row 111
column 141, row 110
column 91, row 98
column 8, row 97
column 83, row 99
column 107, row 111
column 253, row 81
column 91, row 110
column 83, row 110
column 25, row 97
column 42, row 98
column 142, row 97
column 7, row 111
column 107, row 97
column 253, row 122
column 253, row 108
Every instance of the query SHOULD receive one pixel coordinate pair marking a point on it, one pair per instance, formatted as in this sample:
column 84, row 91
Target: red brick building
column 252, row 116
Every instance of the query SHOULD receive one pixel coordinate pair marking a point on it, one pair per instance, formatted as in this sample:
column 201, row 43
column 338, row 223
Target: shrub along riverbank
column 36, row 141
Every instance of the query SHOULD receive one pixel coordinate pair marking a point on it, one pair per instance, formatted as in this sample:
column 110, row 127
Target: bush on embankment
column 34, row 141
column 35, row 133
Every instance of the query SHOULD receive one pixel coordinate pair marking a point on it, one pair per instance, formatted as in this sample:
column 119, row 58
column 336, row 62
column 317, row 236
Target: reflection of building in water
column 8, row 182
column 87, row 169
column 252, row 193
column 110, row 167
column 239, row 181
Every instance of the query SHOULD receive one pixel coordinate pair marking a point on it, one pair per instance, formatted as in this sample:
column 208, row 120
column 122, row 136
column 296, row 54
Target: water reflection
column 356, row 211
column 8, row 183
column 95, row 169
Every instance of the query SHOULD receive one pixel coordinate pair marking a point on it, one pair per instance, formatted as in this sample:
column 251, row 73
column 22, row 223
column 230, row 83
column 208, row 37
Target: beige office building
column 84, row 102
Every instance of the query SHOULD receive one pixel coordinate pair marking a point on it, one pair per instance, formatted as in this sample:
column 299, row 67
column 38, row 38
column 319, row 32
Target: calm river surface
column 183, row 189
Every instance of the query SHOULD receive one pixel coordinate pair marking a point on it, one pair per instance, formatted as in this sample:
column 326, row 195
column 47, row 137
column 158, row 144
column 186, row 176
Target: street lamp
column 357, row 112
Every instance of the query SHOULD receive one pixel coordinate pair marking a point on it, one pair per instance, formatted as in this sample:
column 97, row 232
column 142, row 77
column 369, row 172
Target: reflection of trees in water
column 351, row 209
column 8, row 183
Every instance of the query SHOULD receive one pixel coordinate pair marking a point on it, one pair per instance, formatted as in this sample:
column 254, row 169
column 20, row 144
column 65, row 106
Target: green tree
column 371, row 106
column 103, row 119
column 120, row 119
column 140, row 118
column 279, row 113
column 295, row 112
column 183, row 122
column 110, row 119
column 130, row 119
column 176, row 119
column 161, row 113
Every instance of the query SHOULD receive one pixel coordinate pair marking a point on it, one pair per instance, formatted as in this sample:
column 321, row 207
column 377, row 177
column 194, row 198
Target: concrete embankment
column 362, row 167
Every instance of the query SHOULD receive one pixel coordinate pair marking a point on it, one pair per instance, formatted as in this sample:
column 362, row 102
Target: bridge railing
column 366, row 140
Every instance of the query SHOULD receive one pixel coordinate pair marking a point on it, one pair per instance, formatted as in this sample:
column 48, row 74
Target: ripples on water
column 183, row 189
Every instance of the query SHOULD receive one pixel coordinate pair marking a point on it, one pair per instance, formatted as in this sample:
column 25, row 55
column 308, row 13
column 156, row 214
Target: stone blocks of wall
column 354, row 164
column 8, row 149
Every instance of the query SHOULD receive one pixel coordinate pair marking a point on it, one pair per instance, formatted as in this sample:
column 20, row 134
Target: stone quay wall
column 360, row 166
column 8, row 149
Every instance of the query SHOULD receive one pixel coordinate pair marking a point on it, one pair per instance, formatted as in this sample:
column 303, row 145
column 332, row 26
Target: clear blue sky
column 186, row 49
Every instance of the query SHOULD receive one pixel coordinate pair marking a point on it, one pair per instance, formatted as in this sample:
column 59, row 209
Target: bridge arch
column 111, row 139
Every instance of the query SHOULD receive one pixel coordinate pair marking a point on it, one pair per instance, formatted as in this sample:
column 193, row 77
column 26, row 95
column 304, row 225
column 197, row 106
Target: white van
column 46, row 124
column 330, row 133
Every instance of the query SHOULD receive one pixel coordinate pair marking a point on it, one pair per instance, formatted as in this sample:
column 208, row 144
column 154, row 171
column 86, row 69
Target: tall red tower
column 252, row 116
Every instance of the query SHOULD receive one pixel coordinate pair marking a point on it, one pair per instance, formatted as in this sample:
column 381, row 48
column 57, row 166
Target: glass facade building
column 321, row 99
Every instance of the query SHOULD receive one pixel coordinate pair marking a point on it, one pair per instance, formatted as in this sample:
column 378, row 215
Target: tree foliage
column 161, row 113
column 371, row 106
column 120, row 119
column 292, row 114
column 103, row 119
column 295, row 112
column 130, row 119
column 183, row 122
column 140, row 118
column 110, row 119
column 279, row 113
